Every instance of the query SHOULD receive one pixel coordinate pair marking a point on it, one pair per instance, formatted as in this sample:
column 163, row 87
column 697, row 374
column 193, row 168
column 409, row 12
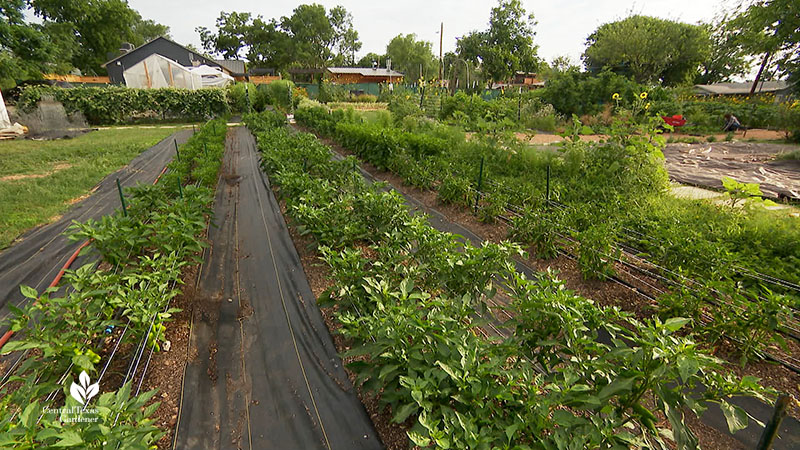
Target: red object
column 676, row 121
column 7, row 336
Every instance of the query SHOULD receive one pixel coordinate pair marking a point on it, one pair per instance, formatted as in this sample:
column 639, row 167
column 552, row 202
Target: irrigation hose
column 8, row 334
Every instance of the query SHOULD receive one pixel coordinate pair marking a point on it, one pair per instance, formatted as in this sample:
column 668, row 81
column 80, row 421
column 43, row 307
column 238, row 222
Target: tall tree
column 311, row 37
column 99, row 27
column 771, row 28
column 507, row 46
column 345, row 41
column 25, row 49
column 232, row 36
column 648, row 49
column 412, row 57
column 370, row 58
column 727, row 58
column 145, row 30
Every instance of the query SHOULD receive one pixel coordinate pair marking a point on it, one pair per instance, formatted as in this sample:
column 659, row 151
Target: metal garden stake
column 480, row 183
column 771, row 429
column 122, row 199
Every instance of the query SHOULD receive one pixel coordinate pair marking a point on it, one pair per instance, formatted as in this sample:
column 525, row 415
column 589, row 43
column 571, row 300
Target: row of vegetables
column 115, row 307
column 414, row 303
column 601, row 199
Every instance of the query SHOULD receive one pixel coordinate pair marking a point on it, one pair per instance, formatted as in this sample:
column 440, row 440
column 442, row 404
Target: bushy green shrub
column 281, row 94
column 117, row 104
column 247, row 97
column 580, row 93
column 329, row 92
column 364, row 98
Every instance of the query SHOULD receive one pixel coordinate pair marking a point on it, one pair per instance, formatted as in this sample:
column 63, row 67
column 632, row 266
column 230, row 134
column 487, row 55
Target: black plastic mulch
column 266, row 374
column 39, row 254
column 789, row 433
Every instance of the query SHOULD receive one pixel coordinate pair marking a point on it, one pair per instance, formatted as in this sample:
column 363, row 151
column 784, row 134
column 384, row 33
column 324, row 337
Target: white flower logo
column 84, row 391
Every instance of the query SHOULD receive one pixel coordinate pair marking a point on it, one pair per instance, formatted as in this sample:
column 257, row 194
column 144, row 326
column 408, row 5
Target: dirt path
column 758, row 134
column 266, row 375
column 748, row 162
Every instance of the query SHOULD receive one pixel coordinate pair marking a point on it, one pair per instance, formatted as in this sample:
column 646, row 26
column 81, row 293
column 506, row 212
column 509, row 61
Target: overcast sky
column 561, row 30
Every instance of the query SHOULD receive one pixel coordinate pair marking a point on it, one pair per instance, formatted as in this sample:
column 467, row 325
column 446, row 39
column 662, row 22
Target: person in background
column 732, row 123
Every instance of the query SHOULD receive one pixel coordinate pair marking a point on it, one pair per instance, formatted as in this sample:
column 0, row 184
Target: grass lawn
column 38, row 179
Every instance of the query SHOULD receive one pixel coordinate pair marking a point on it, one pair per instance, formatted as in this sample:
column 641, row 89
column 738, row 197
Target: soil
column 166, row 368
column 25, row 176
column 392, row 435
column 705, row 164
column 756, row 134
column 605, row 293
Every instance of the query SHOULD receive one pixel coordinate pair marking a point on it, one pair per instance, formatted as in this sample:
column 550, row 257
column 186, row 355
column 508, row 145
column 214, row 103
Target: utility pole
column 441, row 61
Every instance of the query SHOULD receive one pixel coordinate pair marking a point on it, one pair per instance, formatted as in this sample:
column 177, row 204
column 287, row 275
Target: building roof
column 233, row 65
column 365, row 71
column 203, row 58
column 740, row 88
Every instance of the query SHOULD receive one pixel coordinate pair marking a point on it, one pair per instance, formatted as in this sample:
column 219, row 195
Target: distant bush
column 282, row 94
column 329, row 92
column 117, row 104
column 364, row 98
column 247, row 97
column 580, row 93
column 472, row 112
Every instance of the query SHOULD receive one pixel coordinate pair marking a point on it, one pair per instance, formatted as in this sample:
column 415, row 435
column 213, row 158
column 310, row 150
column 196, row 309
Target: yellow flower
column 615, row 96
column 643, row 95
column 647, row 106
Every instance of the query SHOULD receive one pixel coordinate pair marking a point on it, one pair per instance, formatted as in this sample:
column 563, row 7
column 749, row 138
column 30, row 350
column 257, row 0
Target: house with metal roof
column 781, row 89
column 359, row 75
column 167, row 48
column 235, row 67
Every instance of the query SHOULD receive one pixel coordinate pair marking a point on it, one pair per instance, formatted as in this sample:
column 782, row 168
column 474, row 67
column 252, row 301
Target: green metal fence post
column 480, row 183
column 771, row 429
column 177, row 152
column 122, row 199
column 548, row 185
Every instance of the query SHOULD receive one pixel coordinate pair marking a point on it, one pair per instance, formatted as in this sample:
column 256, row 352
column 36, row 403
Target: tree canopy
column 410, row 55
column 771, row 27
column 507, row 46
column 311, row 37
column 727, row 57
column 648, row 49
column 74, row 34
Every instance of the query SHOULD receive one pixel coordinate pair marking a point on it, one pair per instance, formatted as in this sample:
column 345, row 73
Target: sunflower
column 615, row 96
column 643, row 95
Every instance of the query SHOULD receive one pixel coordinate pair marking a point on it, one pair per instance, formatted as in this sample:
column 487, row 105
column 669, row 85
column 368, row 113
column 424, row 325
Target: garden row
column 117, row 104
column 596, row 199
column 595, row 100
column 407, row 297
column 119, row 303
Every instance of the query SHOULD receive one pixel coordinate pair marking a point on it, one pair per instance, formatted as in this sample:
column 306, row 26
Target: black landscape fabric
column 38, row 255
column 266, row 373
column 789, row 433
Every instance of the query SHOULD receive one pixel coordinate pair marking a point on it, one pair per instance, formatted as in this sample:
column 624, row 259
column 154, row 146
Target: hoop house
column 212, row 77
column 156, row 71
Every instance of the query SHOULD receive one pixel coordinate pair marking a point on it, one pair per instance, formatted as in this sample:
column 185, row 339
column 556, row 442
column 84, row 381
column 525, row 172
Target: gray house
column 162, row 46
